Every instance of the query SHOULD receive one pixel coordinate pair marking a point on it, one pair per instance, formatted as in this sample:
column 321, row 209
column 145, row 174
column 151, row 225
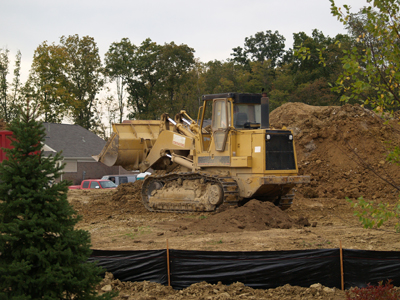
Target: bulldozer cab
column 228, row 111
column 246, row 116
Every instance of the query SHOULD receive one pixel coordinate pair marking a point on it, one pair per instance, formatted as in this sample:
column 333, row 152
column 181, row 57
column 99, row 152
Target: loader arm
column 167, row 143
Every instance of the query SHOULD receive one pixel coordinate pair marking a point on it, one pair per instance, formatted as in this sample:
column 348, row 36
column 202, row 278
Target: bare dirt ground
column 343, row 149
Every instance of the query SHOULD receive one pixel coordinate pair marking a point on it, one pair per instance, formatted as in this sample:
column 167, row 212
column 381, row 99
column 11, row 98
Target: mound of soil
column 101, row 205
column 128, row 191
column 252, row 216
column 344, row 149
column 203, row 290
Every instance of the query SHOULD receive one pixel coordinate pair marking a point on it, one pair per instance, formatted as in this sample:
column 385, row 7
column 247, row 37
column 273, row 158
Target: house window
column 71, row 166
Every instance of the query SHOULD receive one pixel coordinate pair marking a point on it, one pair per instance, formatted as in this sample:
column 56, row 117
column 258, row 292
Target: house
column 77, row 145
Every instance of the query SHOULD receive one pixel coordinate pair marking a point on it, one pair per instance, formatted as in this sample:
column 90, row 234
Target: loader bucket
column 128, row 144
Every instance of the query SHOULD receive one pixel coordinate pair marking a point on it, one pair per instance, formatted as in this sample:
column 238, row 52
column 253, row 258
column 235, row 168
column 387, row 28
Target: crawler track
column 228, row 186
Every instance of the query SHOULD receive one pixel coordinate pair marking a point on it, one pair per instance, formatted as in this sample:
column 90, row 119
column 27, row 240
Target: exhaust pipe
column 264, row 111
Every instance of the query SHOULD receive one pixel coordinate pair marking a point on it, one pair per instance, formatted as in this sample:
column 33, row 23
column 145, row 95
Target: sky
column 211, row 27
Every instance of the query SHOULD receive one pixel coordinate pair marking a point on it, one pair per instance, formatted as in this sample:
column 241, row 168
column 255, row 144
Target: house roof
column 72, row 140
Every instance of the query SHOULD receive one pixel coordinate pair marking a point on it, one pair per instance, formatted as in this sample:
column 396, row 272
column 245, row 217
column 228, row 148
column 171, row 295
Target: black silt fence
column 363, row 267
column 134, row 265
column 261, row 270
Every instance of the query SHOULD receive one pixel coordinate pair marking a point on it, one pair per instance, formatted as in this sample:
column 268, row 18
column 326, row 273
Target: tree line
column 69, row 78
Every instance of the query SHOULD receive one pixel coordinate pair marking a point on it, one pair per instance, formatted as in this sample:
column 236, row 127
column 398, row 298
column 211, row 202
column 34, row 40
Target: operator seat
column 240, row 120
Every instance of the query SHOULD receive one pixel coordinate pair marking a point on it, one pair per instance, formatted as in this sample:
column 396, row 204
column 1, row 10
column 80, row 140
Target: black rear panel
column 279, row 151
column 243, row 98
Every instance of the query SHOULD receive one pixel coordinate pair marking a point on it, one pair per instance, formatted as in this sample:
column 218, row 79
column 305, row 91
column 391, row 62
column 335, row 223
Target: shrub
column 381, row 292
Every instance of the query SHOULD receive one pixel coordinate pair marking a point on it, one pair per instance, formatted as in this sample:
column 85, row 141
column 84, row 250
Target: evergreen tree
column 42, row 255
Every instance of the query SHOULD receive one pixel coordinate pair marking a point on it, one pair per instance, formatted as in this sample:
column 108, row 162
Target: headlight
column 290, row 137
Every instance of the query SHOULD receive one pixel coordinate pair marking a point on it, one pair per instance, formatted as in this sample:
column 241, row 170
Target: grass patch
column 138, row 231
column 215, row 242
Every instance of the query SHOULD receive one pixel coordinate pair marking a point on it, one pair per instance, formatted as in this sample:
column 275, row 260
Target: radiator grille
column 279, row 152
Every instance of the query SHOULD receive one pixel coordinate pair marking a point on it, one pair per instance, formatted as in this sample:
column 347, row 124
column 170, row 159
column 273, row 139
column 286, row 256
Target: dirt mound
column 254, row 215
column 203, row 290
column 128, row 191
column 105, row 205
column 343, row 148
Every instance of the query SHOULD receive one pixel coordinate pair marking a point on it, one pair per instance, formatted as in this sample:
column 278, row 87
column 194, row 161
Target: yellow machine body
column 228, row 156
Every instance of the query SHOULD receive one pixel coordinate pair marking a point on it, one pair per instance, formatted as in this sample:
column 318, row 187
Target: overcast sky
column 211, row 27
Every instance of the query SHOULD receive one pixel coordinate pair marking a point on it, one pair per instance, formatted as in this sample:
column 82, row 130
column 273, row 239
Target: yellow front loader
column 230, row 155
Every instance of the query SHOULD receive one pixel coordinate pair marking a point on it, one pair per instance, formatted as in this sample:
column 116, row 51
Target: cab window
column 94, row 184
column 107, row 184
column 246, row 113
column 85, row 185
column 221, row 114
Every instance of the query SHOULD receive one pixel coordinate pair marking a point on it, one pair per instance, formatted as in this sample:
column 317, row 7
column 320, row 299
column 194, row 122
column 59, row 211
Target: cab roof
column 243, row 98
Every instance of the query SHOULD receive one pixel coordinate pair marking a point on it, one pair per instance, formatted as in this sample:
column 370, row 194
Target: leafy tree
column 67, row 77
column 323, row 55
column 143, row 87
column 4, row 62
column 154, row 77
column 261, row 76
column 282, row 88
column 42, row 255
column 175, row 63
column 315, row 65
column 310, row 68
column 259, row 58
column 189, row 91
column 240, row 56
column 119, row 66
column 372, row 75
column 285, row 88
column 16, row 84
column 110, row 112
column 9, row 97
column 262, row 46
column 220, row 77
column 47, row 82
column 317, row 92
column 83, row 70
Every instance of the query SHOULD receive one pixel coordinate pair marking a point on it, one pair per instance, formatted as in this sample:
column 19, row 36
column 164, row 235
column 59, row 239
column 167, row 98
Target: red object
column 74, row 187
column 5, row 142
column 94, row 184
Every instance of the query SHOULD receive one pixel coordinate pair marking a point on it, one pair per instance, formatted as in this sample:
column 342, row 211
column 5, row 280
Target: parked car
column 118, row 179
column 94, row 184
